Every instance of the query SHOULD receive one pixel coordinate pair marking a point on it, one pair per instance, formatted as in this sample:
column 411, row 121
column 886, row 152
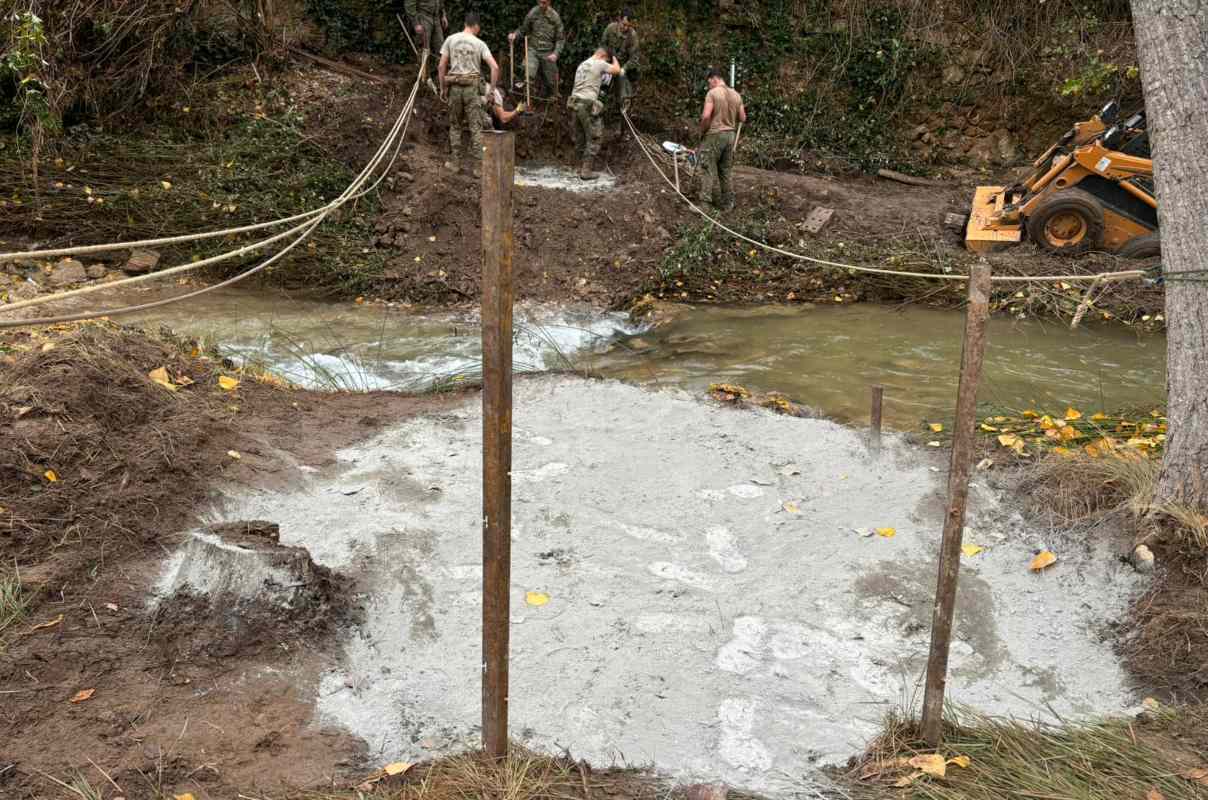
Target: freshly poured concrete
column 693, row 622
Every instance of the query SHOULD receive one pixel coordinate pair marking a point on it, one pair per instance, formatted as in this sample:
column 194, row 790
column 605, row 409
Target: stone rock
column 24, row 290
column 1006, row 149
column 953, row 73
column 142, row 261
column 96, row 271
column 982, row 150
column 66, row 271
column 1142, row 559
column 918, row 132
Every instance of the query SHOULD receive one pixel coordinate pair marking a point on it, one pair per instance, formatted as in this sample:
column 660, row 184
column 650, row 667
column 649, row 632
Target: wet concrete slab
column 716, row 607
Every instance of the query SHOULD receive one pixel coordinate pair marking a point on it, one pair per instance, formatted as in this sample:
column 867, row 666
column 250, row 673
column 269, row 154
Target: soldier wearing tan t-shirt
column 723, row 112
column 460, row 70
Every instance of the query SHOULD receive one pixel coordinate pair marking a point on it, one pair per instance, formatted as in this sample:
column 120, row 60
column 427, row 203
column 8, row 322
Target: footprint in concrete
column 540, row 473
column 680, row 574
column 724, row 549
column 644, row 534
column 737, row 744
column 745, row 651
column 747, row 491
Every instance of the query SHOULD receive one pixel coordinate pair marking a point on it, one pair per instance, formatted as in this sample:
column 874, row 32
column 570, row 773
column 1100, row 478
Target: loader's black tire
column 1069, row 223
column 1147, row 245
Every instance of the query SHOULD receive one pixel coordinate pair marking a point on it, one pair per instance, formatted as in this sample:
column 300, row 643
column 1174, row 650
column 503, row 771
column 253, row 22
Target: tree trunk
column 1172, row 46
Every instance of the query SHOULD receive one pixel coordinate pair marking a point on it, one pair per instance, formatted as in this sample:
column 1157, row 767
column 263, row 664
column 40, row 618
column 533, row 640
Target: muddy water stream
column 823, row 357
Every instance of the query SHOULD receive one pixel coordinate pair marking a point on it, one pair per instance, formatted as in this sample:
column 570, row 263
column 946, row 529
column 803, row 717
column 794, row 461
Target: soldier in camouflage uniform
column 585, row 104
column 622, row 38
column 429, row 21
column 460, row 70
column 546, row 36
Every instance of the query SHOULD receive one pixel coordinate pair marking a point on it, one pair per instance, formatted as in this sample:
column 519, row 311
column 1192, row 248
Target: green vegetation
column 1159, row 754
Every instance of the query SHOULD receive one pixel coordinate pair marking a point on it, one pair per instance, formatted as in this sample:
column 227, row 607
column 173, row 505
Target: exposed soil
column 180, row 701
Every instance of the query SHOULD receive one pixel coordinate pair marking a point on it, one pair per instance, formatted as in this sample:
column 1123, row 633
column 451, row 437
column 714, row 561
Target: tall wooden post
column 961, row 464
column 874, row 418
column 499, row 160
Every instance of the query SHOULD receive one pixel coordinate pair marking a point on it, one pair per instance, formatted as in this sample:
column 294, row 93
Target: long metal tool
column 528, row 79
column 959, row 468
column 499, row 162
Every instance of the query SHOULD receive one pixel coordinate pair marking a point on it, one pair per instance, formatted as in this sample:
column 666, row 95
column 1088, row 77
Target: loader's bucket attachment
column 986, row 232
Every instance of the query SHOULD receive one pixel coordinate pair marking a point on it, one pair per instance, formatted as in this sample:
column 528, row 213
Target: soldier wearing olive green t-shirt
column 724, row 110
column 546, row 38
column 429, row 22
column 460, row 70
column 622, row 38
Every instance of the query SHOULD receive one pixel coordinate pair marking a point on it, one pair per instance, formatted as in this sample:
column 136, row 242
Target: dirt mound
column 93, row 451
column 235, row 589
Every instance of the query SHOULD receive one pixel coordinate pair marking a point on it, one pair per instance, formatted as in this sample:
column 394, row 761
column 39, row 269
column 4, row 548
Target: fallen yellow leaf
column 971, row 549
column 234, row 454
column 961, row 761
column 82, row 695
column 1031, row 414
column 791, row 507
column 934, row 444
column 986, row 427
column 1154, row 794
column 1070, row 432
column 936, row 426
column 166, row 184
column 1043, row 559
column 50, row 475
column 185, row 796
column 930, row 763
column 228, row 383
column 1098, row 416
column 48, row 624
column 160, row 376
column 1198, row 775
column 1073, row 413
column 397, row 768
column 536, row 598
column 1047, row 422
column 887, row 533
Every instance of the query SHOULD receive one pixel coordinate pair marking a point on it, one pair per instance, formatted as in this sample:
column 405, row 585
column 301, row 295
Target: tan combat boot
column 585, row 172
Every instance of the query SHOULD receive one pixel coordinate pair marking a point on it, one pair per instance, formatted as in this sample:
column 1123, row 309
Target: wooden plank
column 499, row 161
column 964, row 440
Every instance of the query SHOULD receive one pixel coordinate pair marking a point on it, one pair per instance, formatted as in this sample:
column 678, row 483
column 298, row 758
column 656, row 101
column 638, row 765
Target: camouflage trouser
column 716, row 157
column 589, row 127
column 543, row 74
column 465, row 111
column 624, row 84
column 436, row 39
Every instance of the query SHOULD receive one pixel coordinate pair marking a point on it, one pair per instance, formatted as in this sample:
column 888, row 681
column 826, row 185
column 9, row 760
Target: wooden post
column 874, row 418
column 512, row 64
column 737, row 137
column 528, row 79
column 960, row 465
column 499, row 162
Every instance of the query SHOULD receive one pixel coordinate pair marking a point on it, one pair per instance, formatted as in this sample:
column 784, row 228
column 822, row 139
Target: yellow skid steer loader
column 1092, row 190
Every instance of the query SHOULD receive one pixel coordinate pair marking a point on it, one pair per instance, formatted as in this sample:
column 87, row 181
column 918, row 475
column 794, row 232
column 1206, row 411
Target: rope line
column 1102, row 277
column 168, row 240
column 396, row 138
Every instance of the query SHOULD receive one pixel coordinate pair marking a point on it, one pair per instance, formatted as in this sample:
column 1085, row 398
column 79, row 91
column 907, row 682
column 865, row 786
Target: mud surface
column 183, row 698
column 715, row 607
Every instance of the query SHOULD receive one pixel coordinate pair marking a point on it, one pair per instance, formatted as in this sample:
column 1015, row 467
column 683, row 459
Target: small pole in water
column 961, row 464
column 874, row 418
column 499, row 161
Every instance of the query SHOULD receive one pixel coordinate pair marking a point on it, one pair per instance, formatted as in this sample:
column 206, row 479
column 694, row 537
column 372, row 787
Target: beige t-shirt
column 466, row 53
column 726, row 106
column 588, row 78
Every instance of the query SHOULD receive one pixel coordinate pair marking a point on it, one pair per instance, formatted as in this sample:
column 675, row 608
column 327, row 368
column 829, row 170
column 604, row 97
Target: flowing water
column 825, row 358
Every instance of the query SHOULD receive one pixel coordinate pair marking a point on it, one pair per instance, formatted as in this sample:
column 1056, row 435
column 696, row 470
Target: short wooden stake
column 959, row 468
column 499, row 161
column 874, row 418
